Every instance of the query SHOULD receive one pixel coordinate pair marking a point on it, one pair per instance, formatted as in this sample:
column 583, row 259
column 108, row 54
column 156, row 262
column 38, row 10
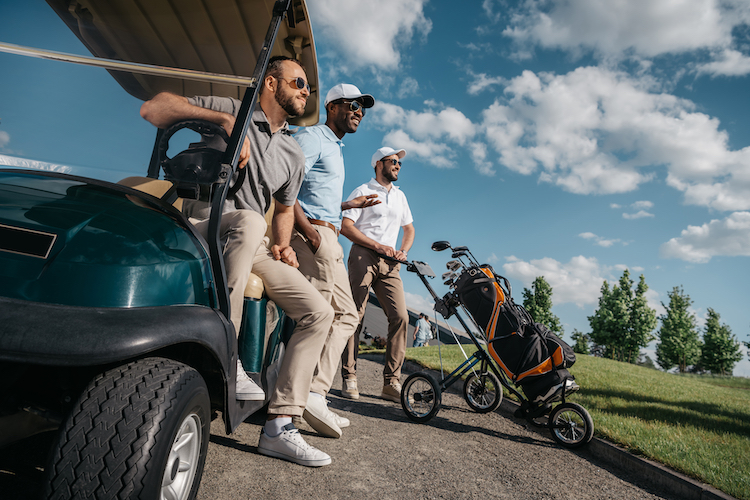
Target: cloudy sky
column 570, row 139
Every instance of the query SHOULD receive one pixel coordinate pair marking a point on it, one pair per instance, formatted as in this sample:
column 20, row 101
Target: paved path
column 458, row 454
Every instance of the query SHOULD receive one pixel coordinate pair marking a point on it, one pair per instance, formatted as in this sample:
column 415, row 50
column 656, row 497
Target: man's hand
column 285, row 255
column 363, row 201
column 400, row 255
column 386, row 250
column 245, row 151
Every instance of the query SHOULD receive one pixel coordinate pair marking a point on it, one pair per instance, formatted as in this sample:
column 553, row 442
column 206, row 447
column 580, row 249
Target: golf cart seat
column 155, row 187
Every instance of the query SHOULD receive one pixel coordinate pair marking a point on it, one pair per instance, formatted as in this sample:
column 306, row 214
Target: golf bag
column 528, row 352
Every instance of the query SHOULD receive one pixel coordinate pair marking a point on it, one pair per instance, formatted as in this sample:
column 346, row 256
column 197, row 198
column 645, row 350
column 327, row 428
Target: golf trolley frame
column 570, row 423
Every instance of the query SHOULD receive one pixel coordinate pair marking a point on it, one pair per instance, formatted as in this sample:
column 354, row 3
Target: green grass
column 697, row 425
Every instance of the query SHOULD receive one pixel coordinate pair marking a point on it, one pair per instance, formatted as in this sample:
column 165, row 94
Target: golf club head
column 439, row 246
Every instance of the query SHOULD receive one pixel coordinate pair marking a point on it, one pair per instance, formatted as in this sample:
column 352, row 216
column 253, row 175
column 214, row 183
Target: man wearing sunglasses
column 284, row 92
column 315, row 240
column 373, row 263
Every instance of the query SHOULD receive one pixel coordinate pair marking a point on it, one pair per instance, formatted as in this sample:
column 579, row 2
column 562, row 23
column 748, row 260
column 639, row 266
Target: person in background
column 421, row 331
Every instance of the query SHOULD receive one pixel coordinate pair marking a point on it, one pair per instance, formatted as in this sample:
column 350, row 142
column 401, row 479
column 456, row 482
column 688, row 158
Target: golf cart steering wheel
column 194, row 170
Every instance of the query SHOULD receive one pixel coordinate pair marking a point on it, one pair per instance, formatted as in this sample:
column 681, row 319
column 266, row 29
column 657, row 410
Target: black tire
column 571, row 425
column 420, row 397
column 483, row 392
column 140, row 430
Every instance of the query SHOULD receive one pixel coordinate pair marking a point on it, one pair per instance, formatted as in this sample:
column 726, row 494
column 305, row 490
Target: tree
column 623, row 323
column 538, row 301
column 580, row 342
column 679, row 344
column 721, row 350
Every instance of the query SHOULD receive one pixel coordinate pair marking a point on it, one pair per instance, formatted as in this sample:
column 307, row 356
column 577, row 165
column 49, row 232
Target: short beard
column 390, row 176
column 286, row 101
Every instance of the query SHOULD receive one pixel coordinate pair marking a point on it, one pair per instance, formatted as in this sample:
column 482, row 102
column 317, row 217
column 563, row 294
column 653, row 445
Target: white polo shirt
column 381, row 222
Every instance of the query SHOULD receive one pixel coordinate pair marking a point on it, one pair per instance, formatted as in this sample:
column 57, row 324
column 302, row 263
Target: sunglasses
column 298, row 83
column 354, row 106
column 393, row 161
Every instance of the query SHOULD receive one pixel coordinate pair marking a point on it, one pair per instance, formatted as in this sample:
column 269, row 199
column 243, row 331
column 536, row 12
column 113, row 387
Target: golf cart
column 114, row 311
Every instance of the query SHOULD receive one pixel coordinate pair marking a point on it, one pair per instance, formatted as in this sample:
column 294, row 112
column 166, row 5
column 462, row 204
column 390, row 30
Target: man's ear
column 268, row 82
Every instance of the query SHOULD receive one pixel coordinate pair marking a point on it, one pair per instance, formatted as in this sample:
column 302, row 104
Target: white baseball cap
column 348, row 91
column 386, row 151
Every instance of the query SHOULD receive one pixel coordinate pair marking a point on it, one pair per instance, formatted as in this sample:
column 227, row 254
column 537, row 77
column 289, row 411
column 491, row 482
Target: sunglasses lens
column 300, row 83
column 356, row 106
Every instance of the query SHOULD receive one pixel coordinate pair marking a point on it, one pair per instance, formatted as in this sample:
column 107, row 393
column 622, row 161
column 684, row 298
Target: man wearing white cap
column 374, row 233
column 315, row 239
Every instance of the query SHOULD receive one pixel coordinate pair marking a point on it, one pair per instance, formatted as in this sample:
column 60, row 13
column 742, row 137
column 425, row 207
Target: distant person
column 315, row 239
column 283, row 93
column 373, row 263
column 421, row 331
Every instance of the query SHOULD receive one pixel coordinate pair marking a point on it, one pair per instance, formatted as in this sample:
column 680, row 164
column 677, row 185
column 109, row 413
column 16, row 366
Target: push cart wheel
column 420, row 397
column 571, row 425
column 483, row 392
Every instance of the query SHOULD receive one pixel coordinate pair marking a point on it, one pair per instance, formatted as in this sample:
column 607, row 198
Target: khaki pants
column 367, row 270
column 326, row 271
column 289, row 289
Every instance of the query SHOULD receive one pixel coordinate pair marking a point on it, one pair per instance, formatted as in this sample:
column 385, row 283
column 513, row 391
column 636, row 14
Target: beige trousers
column 367, row 270
column 289, row 289
column 326, row 271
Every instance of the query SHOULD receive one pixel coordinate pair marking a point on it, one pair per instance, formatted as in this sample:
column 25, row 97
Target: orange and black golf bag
column 528, row 352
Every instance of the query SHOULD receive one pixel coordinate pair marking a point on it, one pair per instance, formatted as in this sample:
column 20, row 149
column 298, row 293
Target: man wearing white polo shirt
column 374, row 233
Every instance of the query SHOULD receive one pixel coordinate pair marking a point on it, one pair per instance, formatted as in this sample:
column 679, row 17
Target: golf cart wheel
column 140, row 430
column 571, row 425
column 483, row 392
column 420, row 397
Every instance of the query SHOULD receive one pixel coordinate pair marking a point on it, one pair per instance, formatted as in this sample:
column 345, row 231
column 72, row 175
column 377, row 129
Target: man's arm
column 407, row 241
column 303, row 226
column 282, row 224
column 355, row 235
column 167, row 108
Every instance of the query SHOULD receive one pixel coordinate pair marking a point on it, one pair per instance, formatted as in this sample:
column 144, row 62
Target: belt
column 325, row 224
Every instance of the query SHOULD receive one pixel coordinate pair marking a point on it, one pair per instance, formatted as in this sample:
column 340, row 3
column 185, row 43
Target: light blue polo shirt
column 323, row 187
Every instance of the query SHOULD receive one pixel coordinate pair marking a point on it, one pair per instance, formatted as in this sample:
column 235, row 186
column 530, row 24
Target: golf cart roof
column 219, row 36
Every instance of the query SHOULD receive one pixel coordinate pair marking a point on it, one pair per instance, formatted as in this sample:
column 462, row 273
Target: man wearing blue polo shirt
column 315, row 239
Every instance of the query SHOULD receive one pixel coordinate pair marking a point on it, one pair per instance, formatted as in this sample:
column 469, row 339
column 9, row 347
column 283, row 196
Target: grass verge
column 697, row 425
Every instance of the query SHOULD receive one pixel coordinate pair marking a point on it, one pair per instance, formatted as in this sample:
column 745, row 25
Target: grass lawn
column 697, row 425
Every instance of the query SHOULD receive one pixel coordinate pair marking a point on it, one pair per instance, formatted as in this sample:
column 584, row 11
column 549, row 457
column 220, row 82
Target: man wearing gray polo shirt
column 315, row 240
column 374, row 233
column 274, row 165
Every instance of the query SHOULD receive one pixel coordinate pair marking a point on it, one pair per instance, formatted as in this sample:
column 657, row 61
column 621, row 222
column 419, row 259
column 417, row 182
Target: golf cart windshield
column 83, row 118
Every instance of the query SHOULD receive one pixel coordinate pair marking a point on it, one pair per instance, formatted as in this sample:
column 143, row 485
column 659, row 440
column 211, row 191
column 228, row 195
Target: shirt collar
column 374, row 184
column 329, row 134
column 260, row 118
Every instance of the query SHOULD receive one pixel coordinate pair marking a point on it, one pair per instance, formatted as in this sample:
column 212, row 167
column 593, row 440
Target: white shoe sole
column 250, row 397
column 322, row 426
column 301, row 461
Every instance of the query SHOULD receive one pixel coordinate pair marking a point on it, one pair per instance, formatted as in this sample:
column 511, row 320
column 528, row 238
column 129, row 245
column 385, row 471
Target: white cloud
column 430, row 152
column 478, row 152
column 370, row 33
column 596, row 131
column 409, row 87
column 483, row 82
column 419, row 303
column 602, row 242
column 4, row 138
column 640, row 28
column 728, row 62
column 638, row 215
column 643, row 204
column 578, row 281
column 727, row 237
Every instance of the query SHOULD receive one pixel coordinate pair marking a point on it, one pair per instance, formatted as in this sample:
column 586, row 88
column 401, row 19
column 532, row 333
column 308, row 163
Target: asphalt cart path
column 458, row 454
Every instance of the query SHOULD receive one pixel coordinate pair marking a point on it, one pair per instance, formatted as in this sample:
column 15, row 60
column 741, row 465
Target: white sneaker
column 342, row 422
column 289, row 445
column 349, row 388
column 247, row 389
column 320, row 417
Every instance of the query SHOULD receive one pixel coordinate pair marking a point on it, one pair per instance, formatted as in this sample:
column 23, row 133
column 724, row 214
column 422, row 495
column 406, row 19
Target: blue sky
column 569, row 139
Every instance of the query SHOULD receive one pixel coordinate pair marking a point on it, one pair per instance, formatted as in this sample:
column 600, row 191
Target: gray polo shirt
column 275, row 169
